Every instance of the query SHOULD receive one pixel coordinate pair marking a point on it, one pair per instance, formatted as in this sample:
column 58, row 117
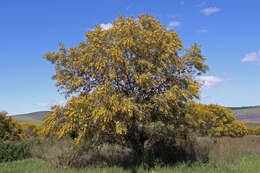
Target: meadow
column 225, row 154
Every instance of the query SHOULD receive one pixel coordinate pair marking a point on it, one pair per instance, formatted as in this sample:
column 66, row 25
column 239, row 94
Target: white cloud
column 45, row 105
column 174, row 23
column 210, row 11
column 202, row 30
column 106, row 26
column 48, row 105
column 210, row 81
column 253, row 57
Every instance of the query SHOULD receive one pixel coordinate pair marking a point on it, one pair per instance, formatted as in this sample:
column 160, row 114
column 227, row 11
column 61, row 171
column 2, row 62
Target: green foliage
column 129, row 79
column 9, row 128
column 214, row 120
column 10, row 151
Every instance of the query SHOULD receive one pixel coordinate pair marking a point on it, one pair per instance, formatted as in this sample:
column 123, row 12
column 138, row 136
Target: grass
column 225, row 154
column 252, row 122
column 247, row 111
column 249, row 164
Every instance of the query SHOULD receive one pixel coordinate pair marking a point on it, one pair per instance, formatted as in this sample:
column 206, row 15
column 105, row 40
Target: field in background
column 251, row 110
column 249, row 115
column 34, row 117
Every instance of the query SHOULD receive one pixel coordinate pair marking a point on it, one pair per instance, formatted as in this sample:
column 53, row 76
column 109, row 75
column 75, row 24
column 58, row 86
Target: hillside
column 250, row 115
column 34, row 117
column 249, row 110
column 37, row 117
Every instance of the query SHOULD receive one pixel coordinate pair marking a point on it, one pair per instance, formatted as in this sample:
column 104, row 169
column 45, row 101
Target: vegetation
column 9, row 128
column 214, row 120
column 131, row 80
column 224, row 154
column 132, row 89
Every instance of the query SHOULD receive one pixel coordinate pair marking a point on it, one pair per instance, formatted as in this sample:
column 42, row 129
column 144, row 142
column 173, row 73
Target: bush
column 62, row 152
column 253, row 130
column 213, row 120
column 31, row 130
column 10, row 151
column 10, row 129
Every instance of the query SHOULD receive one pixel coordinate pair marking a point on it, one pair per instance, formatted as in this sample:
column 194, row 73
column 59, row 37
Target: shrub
column 10, row 129
column 253, row 130
column 213, row 120
column 62, row 152
column 10, row 151
column 31, row 130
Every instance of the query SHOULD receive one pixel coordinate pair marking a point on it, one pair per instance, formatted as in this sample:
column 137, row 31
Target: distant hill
column 245, row 114
column 246, row 110
column 34, row 117
column 37, row 117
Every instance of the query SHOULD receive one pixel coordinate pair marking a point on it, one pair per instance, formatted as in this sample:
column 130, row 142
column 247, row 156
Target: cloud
column 106, row 26
column 174, row 23
column 253, row 57
column 201, row 4
column 48, row 105
column 202, row 30
column 209, row 11
column 210, row 81
column 45, row 105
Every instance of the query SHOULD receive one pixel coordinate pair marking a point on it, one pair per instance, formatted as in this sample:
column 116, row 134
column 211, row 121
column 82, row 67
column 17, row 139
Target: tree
column 127, row 80
column 9, row 128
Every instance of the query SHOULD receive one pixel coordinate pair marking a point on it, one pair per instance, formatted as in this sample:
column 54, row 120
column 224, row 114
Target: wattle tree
column 129, row 83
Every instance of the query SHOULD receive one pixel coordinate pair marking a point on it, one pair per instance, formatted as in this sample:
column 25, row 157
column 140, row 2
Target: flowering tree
column 127, row 80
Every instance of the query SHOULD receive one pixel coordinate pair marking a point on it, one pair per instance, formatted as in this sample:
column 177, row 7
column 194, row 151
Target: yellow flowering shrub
column 10, row 129
column 31, row 130
column 253, row 130
column 214, row 120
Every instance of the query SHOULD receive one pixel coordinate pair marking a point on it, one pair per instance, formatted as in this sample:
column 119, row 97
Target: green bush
column 10, row 151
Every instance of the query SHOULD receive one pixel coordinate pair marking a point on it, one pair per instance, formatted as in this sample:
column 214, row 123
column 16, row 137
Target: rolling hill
column 250, row 115
column 34, row 117
column 246, row 110
column 37, row 117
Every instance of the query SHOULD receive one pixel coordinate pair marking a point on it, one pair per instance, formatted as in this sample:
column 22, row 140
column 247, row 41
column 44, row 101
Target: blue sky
column 228, row 31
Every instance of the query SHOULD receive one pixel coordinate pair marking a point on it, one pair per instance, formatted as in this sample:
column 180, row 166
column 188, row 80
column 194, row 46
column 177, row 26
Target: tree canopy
column 125, row 81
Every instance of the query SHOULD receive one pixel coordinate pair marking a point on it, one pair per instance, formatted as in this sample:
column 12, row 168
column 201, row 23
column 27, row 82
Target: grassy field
column 226, row 154
column 246, row 110
column 34, row 117
column 249, row 164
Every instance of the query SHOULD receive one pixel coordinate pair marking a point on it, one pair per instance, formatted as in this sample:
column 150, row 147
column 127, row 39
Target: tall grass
column 249, row 164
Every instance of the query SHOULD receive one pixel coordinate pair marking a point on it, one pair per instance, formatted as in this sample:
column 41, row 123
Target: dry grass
column 226, row 149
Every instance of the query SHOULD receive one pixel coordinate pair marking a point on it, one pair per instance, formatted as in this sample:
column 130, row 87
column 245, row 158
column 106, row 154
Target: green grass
column 247, row 111
column 249, row 164
column 252, row 121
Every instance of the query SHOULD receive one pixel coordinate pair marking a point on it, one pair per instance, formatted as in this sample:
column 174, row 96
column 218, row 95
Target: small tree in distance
column 132, row 83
